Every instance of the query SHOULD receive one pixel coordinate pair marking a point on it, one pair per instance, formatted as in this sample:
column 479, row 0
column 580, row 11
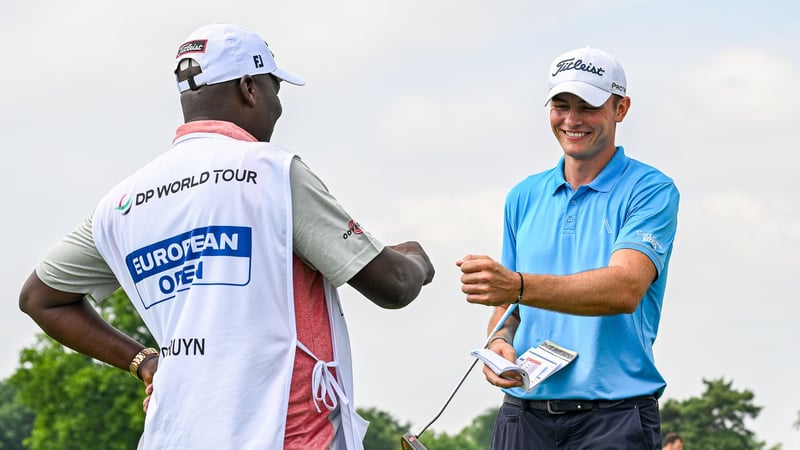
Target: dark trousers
column 632, row 424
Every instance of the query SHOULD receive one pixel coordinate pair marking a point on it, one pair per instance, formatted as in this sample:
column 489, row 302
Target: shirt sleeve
column 74, row 265
column 651, row 223
column 326, row 237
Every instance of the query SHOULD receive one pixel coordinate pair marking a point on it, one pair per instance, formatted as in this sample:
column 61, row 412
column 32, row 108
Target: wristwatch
column 144, row 354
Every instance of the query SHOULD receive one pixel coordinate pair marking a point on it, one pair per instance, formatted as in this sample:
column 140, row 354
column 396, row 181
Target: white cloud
column 747, row 86
column 759, row 227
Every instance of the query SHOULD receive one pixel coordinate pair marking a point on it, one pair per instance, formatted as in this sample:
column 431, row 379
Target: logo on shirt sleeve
column 649, row 238
column 352, row 228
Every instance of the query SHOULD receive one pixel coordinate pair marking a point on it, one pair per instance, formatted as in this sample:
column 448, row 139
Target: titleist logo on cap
column 572, row 64
column 198, row 46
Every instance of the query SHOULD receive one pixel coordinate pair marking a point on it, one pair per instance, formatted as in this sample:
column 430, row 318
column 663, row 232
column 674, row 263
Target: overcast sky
column 420, row 115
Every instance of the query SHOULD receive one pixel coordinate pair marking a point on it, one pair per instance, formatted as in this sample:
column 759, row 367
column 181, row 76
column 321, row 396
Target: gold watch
column 139, row 358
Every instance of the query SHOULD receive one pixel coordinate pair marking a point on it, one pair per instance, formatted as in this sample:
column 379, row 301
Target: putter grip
column 410, row 442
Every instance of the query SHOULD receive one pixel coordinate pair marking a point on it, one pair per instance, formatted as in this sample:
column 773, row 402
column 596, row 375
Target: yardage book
column 534, row 366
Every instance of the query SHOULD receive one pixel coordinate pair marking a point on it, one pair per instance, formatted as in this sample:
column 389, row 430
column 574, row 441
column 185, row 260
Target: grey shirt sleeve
column 326, row 237
column 75, row 265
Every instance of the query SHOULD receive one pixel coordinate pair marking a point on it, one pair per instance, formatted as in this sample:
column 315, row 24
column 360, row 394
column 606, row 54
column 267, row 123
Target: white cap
column 589, row 73
column 227, row 52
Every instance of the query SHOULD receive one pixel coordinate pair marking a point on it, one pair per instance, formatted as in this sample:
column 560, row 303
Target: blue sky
column 420, row 116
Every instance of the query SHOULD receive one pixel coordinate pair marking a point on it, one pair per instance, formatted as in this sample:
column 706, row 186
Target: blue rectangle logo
column 203, row 256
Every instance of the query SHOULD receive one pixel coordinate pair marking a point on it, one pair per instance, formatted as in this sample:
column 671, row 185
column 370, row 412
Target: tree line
column 58, row 399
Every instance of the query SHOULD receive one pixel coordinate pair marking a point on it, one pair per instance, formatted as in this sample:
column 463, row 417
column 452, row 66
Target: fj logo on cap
column 572, row 64
column 192, row 47
column 259, row 62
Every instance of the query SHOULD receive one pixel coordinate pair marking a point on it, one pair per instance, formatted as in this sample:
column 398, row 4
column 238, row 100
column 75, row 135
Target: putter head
column 411, row 442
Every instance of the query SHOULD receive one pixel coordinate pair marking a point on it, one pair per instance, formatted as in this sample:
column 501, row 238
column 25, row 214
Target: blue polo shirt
column 550, row 228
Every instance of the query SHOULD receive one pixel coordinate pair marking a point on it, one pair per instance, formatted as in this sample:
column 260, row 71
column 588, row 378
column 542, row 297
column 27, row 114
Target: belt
column 570, row 406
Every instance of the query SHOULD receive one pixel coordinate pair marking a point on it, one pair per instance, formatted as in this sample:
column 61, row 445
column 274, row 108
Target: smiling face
column 586, row 132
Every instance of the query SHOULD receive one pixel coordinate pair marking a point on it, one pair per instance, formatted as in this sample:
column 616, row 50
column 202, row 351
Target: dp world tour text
column 215, row 176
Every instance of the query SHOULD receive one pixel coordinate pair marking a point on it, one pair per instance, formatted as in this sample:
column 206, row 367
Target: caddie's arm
column 394, row 278
column 71, row 320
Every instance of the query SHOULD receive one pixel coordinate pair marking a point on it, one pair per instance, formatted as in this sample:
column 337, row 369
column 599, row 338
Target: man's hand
column 487, row 282
column 413, row 249
column 394, row 278
column 148, row 370
column 148, row 391
column 505, row 350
